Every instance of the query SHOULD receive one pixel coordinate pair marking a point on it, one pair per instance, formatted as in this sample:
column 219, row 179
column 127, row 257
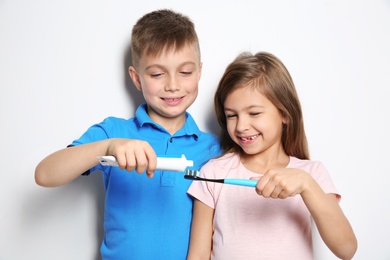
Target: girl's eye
column 255, row 113
column 230, row 115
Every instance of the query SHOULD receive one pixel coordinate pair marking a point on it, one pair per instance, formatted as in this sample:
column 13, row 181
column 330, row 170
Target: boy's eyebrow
column 161, row 66
column 188, row 62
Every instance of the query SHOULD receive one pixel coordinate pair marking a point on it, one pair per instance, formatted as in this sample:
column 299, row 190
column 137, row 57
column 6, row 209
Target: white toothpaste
column 163, row 163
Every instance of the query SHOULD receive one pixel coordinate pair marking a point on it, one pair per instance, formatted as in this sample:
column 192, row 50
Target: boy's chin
column 173, row 112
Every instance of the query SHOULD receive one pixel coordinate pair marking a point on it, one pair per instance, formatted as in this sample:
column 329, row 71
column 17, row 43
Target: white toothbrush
column 163, row 163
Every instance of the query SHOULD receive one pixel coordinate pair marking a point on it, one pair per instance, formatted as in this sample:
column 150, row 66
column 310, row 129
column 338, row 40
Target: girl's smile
column 248, row 138
column 253, row 122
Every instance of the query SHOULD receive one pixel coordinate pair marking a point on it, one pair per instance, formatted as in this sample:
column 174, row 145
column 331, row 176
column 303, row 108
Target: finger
column 264, row 186
column 283, row 195
column 152, row 160
column 258, row 188
column 131, row 162
column 267, row 191
column 122, row 161
column 286, row 192
column 276, row 192
column 262, row 182
column 141, row 161
column 275, row 184
column 258, row 191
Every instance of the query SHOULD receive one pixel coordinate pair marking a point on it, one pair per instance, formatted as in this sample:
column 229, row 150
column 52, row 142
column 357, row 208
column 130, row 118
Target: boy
column 145, row 218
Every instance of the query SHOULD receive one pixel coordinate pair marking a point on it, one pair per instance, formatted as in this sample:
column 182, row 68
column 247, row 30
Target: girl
column 263, row 138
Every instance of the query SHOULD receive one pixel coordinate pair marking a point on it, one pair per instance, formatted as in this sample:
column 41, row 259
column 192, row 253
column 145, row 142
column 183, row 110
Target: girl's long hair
column 268, row 75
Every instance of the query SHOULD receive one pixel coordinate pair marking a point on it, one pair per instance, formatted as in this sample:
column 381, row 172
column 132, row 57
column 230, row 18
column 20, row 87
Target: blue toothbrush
column 194, row 175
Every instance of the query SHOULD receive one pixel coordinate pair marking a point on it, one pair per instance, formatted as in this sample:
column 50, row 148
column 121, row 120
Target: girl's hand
column 133, row 154
column 282, row 183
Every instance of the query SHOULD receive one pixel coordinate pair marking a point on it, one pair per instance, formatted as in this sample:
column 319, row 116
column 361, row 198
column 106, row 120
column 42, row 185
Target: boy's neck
column 171, row 124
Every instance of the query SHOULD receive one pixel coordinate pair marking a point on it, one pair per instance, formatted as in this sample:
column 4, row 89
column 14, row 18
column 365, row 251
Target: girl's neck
column 262, row 162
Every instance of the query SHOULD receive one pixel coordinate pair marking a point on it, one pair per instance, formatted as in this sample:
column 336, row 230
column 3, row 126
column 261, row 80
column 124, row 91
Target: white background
column 63, row 67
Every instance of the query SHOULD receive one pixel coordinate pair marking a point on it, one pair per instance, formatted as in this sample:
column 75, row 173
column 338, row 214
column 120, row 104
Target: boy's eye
column 254, row 113
column 155, row 75
column 186, row 73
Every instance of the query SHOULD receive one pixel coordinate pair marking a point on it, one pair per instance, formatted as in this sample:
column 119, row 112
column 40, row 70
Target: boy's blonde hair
column 266, row 74
column 161, row 30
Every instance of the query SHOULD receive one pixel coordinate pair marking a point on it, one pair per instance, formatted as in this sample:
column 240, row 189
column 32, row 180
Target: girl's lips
column 249, row 138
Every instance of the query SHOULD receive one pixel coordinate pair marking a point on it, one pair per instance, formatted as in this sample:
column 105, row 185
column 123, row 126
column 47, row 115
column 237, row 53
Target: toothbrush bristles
column 191, row 174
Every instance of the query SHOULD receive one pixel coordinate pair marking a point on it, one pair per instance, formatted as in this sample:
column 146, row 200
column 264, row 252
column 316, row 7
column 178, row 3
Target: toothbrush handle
column 242, row 182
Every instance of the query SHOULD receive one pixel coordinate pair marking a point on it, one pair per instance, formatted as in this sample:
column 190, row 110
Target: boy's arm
column 201, row 232
column 65, row 165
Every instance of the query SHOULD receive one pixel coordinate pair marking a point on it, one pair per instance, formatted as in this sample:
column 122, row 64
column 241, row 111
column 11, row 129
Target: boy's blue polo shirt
column 149, row 218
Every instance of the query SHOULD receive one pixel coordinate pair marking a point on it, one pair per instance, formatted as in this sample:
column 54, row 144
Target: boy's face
column 169, row 82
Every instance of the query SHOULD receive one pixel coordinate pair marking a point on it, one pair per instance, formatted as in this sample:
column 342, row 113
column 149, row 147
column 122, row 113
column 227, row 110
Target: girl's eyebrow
column 248, row 107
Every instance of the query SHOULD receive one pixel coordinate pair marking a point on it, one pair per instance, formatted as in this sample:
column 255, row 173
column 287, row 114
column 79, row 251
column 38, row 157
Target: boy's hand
column 133, row 154
column 282, row 183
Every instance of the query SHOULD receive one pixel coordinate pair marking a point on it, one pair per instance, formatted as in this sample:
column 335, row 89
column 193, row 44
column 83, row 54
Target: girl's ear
column 284, row 119
column 135, row 78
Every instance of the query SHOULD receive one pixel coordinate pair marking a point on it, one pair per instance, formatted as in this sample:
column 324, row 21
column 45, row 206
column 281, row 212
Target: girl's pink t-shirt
column 248, row 226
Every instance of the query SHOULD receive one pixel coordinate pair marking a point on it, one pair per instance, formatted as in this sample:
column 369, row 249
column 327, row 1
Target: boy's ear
column 135, row 78
column 200, row 70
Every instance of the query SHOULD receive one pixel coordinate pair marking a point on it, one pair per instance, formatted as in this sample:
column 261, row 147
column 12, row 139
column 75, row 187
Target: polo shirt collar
column 189, row 128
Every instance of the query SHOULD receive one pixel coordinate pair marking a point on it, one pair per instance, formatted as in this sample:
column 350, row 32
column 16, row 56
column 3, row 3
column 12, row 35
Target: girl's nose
column 242, row 124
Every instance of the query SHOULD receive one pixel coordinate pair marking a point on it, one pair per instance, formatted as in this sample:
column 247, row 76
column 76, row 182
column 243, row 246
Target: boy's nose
column 172, row 84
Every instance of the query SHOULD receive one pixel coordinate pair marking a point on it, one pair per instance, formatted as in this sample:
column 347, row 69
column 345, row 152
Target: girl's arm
column 65, row 165
column 201, row 232
column 330, row 220
column 332, row 224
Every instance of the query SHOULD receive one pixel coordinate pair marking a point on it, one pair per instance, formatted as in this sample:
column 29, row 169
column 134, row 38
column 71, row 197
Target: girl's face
column 253, row 122
column 169, row 82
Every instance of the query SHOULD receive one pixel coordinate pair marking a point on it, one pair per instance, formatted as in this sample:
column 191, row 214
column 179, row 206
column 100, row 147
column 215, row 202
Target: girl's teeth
column 249, row 138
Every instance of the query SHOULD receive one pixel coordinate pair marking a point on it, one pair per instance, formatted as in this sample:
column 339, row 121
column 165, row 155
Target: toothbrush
column 194, row 175
column 163, row 163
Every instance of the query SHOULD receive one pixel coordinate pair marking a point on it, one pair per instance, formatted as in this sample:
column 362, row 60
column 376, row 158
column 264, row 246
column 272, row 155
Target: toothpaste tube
column 163, row 163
